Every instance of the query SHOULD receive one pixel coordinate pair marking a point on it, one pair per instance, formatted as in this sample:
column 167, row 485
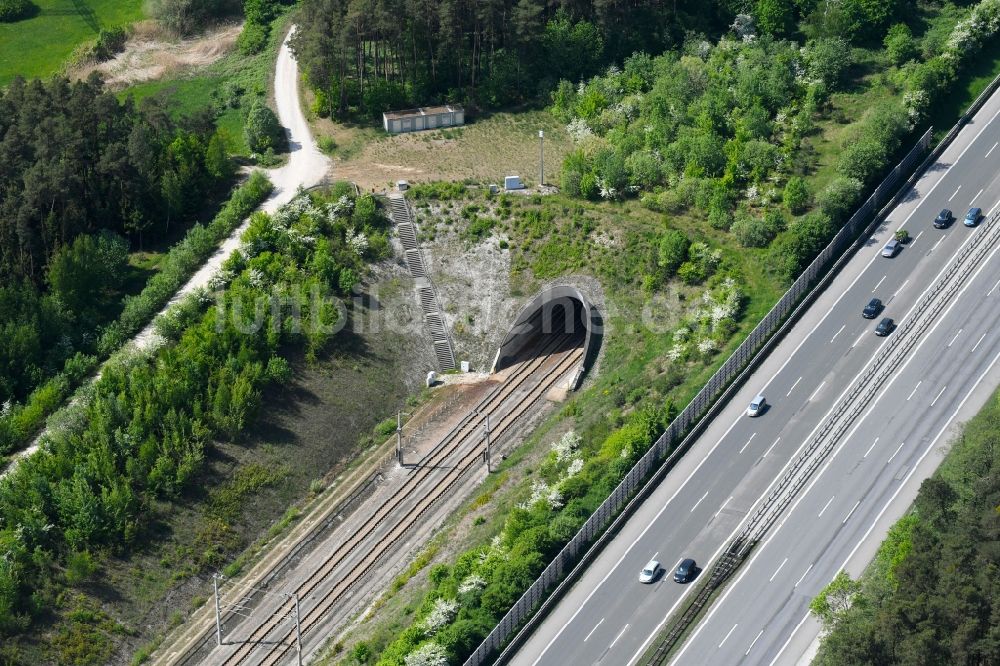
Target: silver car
column 891, row 248
column 757, row 406
column 648, row 573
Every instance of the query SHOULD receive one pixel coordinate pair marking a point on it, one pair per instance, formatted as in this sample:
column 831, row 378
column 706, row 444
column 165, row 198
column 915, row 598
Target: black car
column 872, row 309
column 885, row 327
column 684, row 571
column 943, row 219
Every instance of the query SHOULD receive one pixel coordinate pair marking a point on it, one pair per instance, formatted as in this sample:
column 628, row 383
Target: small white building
column 513, row 183
column 424, row 118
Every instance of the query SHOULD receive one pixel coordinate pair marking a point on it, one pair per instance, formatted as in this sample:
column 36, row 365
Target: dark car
column 943, row 219
column 872, row 309
column 972, row 217
column 885, row 327
column 684, row 571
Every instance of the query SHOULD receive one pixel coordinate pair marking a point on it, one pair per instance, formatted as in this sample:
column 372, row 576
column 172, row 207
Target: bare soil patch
column 485, row 150
column 152, row 54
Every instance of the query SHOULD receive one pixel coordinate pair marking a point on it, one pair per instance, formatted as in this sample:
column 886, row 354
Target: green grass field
column 38, row 46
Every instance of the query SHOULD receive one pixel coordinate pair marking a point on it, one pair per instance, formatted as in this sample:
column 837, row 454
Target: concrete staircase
column 407, row 232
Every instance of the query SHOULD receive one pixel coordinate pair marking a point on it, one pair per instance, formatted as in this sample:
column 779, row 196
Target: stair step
column 446, row 359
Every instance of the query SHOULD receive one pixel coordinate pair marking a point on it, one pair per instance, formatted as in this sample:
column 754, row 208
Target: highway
column 609, row 617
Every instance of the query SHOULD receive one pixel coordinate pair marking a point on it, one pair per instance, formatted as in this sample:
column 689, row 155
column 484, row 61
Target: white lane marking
column 655, row 555
column 748, row 442
column 894, row 453
column 892, row 499
column 838, row 332
column 975, row 197
column 632, row 545
column 990, row 292
column 955, row 338
column 757, row 638
column 938, row 395
column 729, row 634
column 914, row 390
column 698, row 502
column 722, row 507
column 821, row 384
column 870, row 448
column 991, row 149
column 912, row 469
column 793, row 387
column 851, row 512
column 896, row 293
column 936, row 244
column 624, row 629
column 825, row 506
column 875, row 257
column 771, row 447
column 977, row 343
column 917, row 238
column 857, row 341
column 879, row 283
column 593, row 630
column 808, row 569
column 771, row 579
column 954, row 193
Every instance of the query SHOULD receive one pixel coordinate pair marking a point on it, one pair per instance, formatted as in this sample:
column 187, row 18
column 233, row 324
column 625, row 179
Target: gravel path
column 306, row 167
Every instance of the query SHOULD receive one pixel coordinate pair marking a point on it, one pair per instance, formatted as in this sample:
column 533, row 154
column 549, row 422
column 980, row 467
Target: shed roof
column 423, row 111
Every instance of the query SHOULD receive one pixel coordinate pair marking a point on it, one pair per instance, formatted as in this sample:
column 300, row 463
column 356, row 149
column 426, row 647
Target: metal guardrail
column 656, row 456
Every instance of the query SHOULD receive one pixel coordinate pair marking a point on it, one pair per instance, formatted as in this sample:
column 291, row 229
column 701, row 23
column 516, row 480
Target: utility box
column 512, row 183
column 465, row 366
column 431, row 378
column 494, row 188
column 402, row 185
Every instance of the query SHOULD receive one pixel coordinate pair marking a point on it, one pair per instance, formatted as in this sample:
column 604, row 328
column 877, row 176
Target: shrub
column 189, row 16
column 109, row 42
column 839, row 197
column 262, row 130
column 13, row 10
column 828, row 59
column 899, row 44
column 796, row 195
column 252, row 39
column 672, row 251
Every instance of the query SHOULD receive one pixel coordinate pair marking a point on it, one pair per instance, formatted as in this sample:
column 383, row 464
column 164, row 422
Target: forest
column 932, row 594
column 84, row 179
column 364, row 56
column 144, row 436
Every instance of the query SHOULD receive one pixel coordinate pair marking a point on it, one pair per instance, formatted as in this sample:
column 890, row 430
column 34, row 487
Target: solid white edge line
column 902, row 485
column 913, row 354
column 875, row 255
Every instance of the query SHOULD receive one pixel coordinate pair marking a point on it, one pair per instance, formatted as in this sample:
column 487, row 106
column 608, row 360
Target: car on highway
column 872, row 309
column 757, row 406
column 684, row 571
column 885, row 327
column 891, row 248
column 649, row 572
column 972, row 217
column 943, row 219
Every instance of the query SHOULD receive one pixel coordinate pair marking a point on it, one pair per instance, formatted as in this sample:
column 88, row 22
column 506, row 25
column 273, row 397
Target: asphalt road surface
column 609, row 617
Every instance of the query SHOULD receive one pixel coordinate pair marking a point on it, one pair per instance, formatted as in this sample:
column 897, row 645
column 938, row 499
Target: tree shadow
column 81, row 9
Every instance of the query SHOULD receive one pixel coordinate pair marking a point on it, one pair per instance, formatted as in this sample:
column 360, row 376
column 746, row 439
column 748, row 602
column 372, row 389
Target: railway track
column 279, row 646
column 565, row 347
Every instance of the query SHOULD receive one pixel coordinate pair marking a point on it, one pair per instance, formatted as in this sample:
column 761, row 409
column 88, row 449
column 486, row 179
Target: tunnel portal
column 557, row 319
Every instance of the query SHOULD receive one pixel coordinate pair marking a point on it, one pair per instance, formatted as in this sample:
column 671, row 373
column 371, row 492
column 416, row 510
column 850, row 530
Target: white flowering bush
column 442, row 613
column 543, row 492
column 970, row 33
column 471, row 584
column 566, row 446
column 357, row 241
column 707, row 346
column 578, row 129
column 574, row 467
column 428, row 654
column 676, row 352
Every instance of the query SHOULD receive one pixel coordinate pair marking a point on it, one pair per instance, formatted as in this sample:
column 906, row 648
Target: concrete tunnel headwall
column 554, row 311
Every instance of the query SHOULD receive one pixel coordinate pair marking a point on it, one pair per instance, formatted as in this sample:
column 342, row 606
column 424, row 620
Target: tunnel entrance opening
column 556, row 321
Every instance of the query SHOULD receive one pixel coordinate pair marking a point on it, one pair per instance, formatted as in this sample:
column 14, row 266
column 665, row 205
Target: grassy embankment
column 39, row 46
column 635, row 374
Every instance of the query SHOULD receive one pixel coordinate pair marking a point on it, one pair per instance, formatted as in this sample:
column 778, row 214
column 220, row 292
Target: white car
column 648, row 573
column 757, row 406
